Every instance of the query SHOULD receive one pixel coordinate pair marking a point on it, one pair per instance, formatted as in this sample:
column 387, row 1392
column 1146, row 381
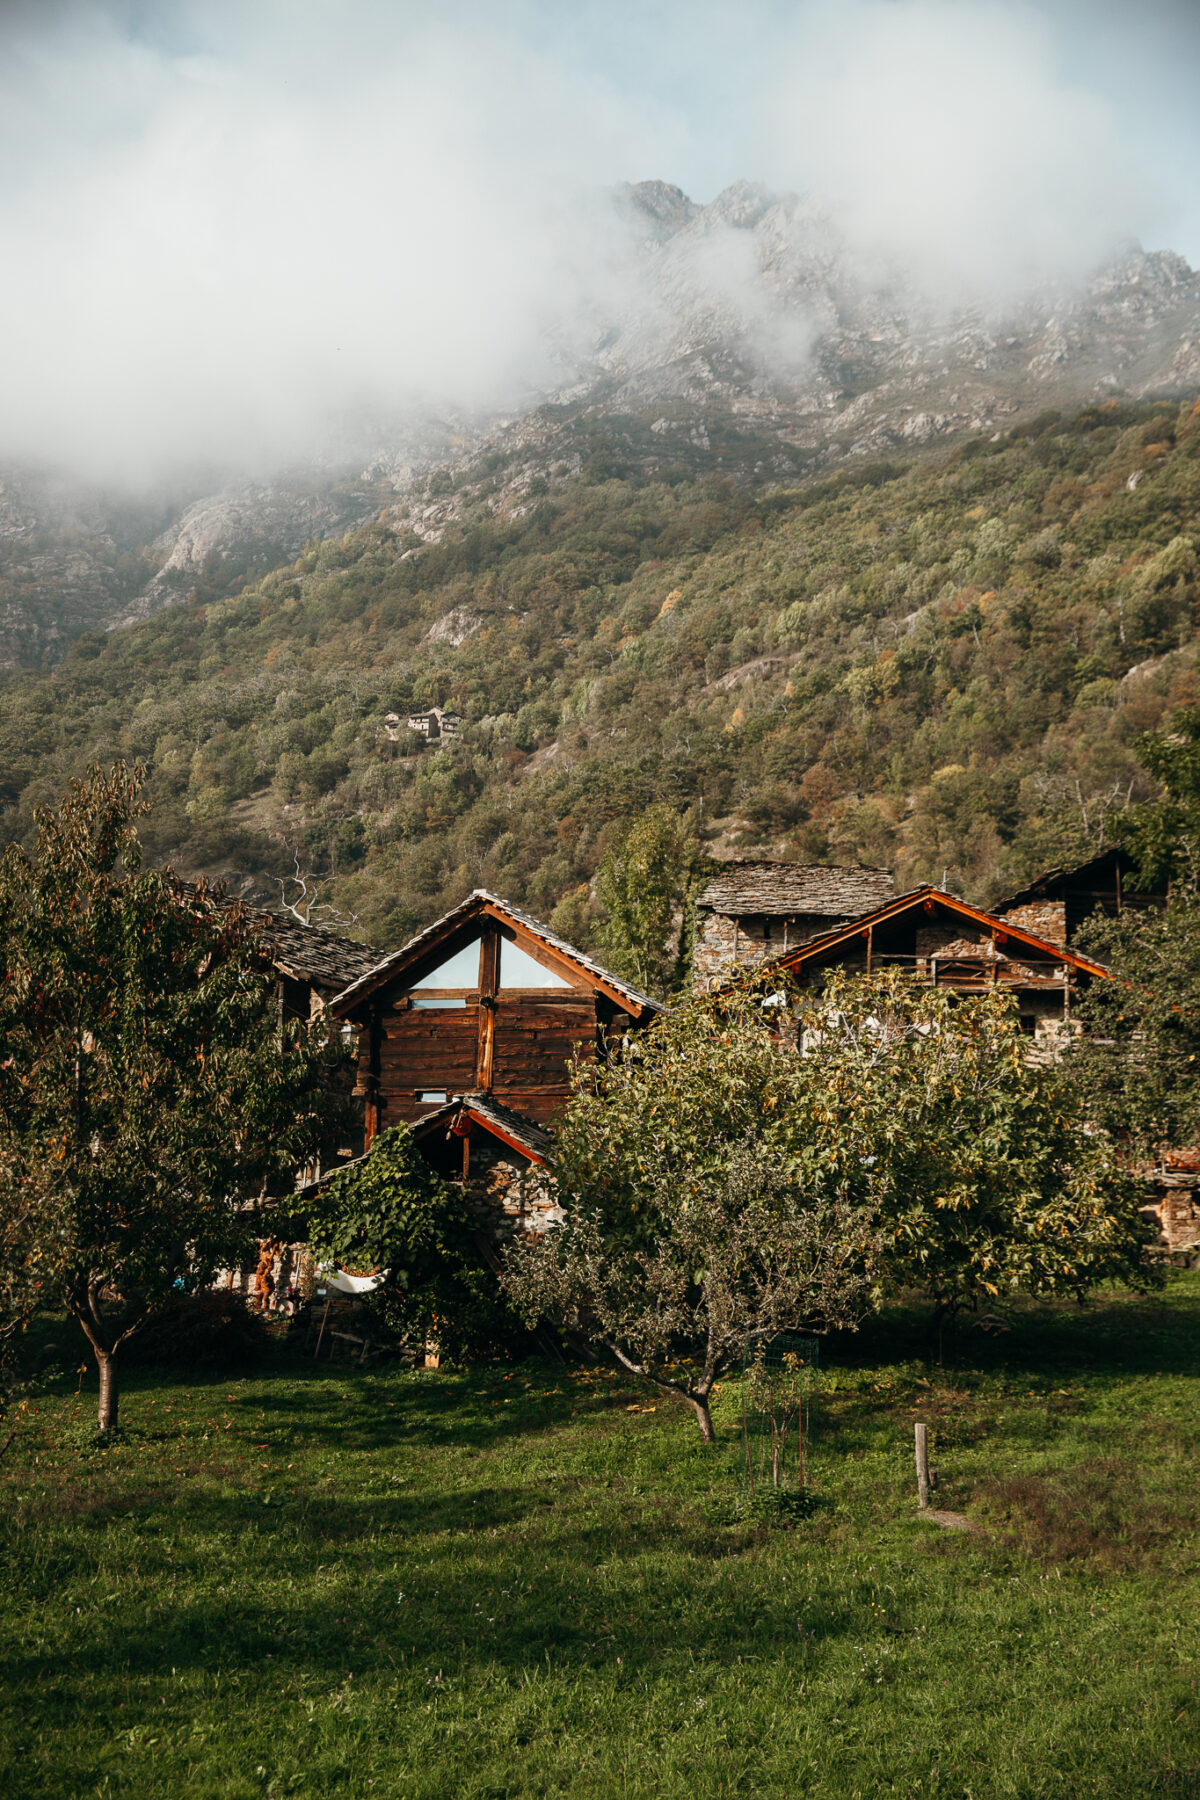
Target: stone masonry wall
column 718, row 937
column 1044, row 918
column 715, row 936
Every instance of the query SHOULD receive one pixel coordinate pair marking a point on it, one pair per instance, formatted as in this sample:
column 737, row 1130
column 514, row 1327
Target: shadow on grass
column 362, row 1411
column 319, row 1405
column 484, row 1590
column 1098, row 1513
column 1117, row 1333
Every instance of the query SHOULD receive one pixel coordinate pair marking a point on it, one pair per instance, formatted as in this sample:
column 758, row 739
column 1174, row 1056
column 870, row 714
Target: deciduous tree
column 1164, row 833
column 149, row 1092
column 1136, row 1067
column 646, row 881
column 758, row 1160
column 390, row 1213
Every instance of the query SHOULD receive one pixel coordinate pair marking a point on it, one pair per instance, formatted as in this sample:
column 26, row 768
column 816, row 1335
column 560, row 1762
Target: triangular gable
column 1052, row 884
column 1011, row 940
column 424, row 952
column 515, row 1132
column 512, row 1129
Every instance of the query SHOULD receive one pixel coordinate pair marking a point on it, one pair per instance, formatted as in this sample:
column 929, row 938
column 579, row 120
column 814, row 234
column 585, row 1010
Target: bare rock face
column 746, row 338
column 753, row 342
column 242, row 532
column 755, row 304
column 454, row 627
column 68, row 560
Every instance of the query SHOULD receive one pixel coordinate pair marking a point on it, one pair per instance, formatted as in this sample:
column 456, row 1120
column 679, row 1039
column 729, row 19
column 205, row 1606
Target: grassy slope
column 952, row 691
column 490, row 1583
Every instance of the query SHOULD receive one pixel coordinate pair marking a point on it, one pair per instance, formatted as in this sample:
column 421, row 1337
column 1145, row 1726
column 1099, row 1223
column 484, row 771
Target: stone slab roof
column 513, row 1127
column 745, row 886
column 312, row 953
column 1052, row 884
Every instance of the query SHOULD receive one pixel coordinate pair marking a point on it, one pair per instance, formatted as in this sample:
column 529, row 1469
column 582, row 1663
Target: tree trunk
column 699, row 1405
column 106, row 1417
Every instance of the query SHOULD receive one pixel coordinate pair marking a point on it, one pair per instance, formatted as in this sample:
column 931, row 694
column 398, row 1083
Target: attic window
column 517, row 970
column 460, row 970
column 431, row 1097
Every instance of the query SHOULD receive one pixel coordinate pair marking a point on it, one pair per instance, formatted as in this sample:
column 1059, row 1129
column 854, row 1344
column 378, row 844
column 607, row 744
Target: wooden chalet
column 1057, row 904
column 755, row 907
column 948, row 943
column 487, row 1003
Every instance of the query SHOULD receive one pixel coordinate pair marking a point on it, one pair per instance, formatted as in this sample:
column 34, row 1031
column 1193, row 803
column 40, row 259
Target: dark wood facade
column 486, row 1001
column 1058, row 904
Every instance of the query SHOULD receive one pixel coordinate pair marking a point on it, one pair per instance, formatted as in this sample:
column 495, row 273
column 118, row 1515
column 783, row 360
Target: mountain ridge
column 940, row 663
column 740, row 337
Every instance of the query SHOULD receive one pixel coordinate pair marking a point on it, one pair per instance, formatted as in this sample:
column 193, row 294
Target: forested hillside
column 937, row 664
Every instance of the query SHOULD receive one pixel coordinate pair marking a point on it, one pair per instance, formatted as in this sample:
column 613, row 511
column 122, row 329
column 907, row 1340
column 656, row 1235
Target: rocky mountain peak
column 748, row 338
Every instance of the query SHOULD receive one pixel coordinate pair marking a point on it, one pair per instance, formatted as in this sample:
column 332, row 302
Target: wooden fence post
column 922, row 1437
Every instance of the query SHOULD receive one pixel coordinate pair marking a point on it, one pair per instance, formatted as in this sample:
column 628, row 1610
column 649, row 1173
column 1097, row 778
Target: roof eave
column 1058, row 953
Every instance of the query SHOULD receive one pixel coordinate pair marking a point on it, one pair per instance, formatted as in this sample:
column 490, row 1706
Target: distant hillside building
column 435, row 724
column 756, row 907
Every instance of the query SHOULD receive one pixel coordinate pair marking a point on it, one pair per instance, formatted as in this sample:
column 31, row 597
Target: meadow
column 532, row 1581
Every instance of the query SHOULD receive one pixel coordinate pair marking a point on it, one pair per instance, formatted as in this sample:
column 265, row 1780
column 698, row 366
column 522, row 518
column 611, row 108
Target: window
column 520, row 971
column 460, row 970
column 431, row 1097
column 436, row 1005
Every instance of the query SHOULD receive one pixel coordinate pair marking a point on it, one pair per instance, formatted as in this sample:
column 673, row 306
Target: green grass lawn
column 526, row 1582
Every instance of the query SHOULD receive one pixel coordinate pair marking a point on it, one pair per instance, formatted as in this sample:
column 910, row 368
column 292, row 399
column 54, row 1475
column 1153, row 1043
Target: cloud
column 952, row 141
column 229, row 257
column 230, row 233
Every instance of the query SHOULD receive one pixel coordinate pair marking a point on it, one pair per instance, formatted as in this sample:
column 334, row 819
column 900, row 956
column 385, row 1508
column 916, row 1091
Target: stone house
column 314, row 964
column 944, row 941
column 435, row 725
column 755, row 908
column 498, row 1158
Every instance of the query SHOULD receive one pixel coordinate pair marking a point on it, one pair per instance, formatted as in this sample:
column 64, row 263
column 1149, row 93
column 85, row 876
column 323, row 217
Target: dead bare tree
column 306, row 904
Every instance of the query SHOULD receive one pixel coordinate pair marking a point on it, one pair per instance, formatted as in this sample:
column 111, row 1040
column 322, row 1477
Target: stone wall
column 1044, row 919
column 514, row 1195
column 932, row 940
column 1177, row 1210
column 724, row 943
column 714, row 953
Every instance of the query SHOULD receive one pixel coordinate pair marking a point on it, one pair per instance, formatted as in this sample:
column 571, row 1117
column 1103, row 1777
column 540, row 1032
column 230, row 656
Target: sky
column 227, row 231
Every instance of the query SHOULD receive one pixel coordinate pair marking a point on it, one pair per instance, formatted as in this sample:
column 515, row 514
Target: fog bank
column 228, row 235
